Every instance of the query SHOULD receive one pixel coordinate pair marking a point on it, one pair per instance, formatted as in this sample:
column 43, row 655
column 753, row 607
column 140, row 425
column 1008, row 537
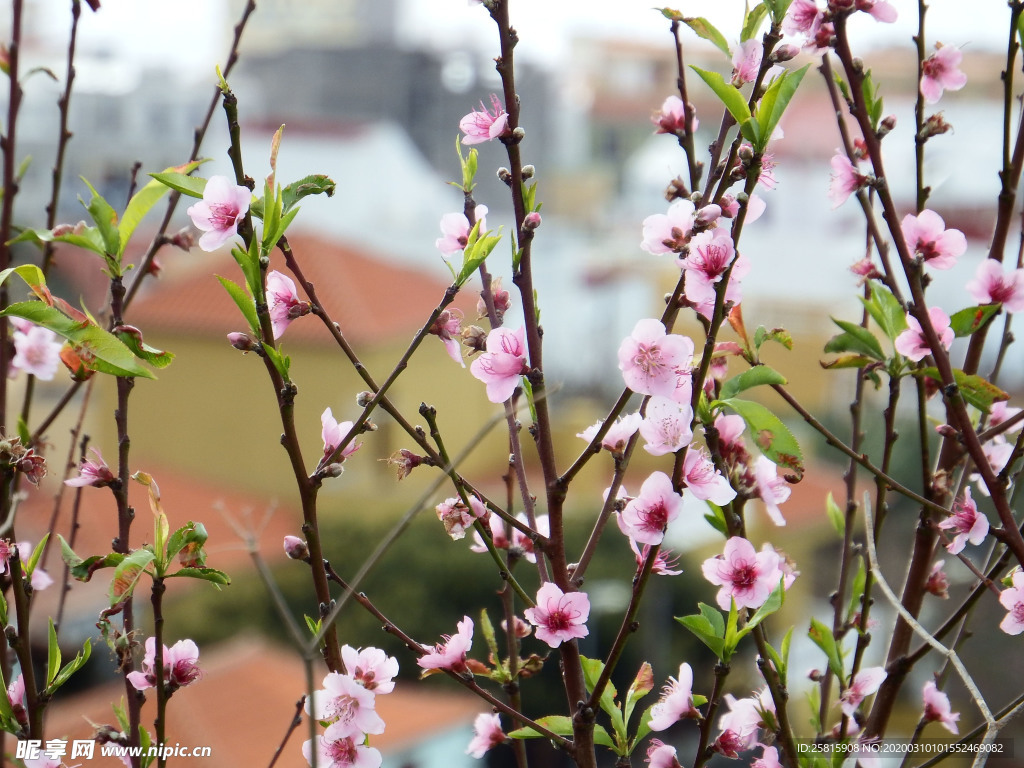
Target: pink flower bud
column 242, row 341
column 531, row 222
column 295, row 548
column 785, row 52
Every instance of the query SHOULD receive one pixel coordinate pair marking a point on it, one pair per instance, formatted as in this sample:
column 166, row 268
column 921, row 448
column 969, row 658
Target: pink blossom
column 676, row 700
column 731, row 207
column 448, row 328
column 938, row 583
column 40, row 579
column 730, row 429
column 283, row 302
column 181, row 666
column 802, row 18
column 786, row 565
column 645, row 518
column 36, row 351
column 502, row 364
column 769, row 759
column 997, row 451
column 668, row 232
column 846, row 179
column 559, row 617
column 485, row 125
column 711, row 254
column 991, row 285
column 704, row 480
column 864, row 684
column 488, row 734
column 660, row 755
column 941, row 72
column 94, row 473
column 927, row 237
column 16, row 698
column 43, row 762
column 223, row 206
column 746, row 61
column 881, row 10
column 744, row 718
column 457, row 517
column 744, row 575
column 664, row 561
column 772, row 489
column 341, row 752
column 334, row 432
column 666, row 426
column 912, row 343
column 451, row 654
column 1000, row 412
column 672, row 117
column 455, row 228
column 937, row 708
column 655, row 363
column 7, row 550
column 1012, row 599
column 521, row 545
column 348, row 705
column 618, row 434
column 969, row 524
column 371, row 667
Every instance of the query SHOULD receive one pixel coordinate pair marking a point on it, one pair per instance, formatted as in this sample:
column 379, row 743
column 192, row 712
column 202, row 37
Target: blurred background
column 371, row 92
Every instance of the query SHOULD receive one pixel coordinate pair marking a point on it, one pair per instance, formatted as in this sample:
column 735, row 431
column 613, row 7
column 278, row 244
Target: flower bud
column 708, row 214
column 531, row 222
column 333, row 470
column 363, row 398
column 886, row 126
column 242, row 341
column 474, row 337
column 934, row 126
column 676, row 189
column 784, row 52
column 295, row 548
column 528, row 171
column 182, row 239
column 519, row 134
column 505, row 175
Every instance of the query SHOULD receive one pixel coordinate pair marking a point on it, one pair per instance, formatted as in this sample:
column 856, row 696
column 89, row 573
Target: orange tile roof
column 244, row 702
column 372, row 299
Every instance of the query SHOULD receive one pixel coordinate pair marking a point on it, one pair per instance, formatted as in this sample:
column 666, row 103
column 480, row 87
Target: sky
column 191, row 35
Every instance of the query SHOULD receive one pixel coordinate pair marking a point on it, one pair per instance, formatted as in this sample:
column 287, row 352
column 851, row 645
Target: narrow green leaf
column 704, row 632
column 105, row 219
column 140, row 204
column 759, row 375
column 729, row 95
column 707, row 31
column 732, row 634
column 848, row 361
column 857, row 591
column 822, row 637
column 771, row 605
column 477, row 250
column 975, row 390
column 158, row 358
column 885, row 310
column 243, row 301
column 192, row 535
column 281, row 362
column 771, row 435
column 557, row 724
column 642, row 684
column 864, row 341
column 192, row 186
column 70, row 668
column 774, row 102
column 127, row 575
column 835, row 514
column 312, row 624
column 969, row 320
column 90, row 239
column 33, row 561
column 106, row 353
column 249, row 262
column 778, row 335
column 752, row 21
column 52, row 655
column 716, row 519
column 211, row 575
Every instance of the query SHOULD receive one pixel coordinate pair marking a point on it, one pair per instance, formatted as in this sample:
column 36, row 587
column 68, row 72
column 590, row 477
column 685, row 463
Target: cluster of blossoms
column 345, row 706
column 180, row 666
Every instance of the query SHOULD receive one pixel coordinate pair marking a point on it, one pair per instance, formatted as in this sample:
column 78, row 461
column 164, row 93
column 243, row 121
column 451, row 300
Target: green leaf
column 670, row 14
column 70, row 668
column 313, row 625
column 211, row 575
column 249, row 262
column 778, row 9
column 158, row 358
column 872, row 100
column 278, row 232
column 971, row 319
column 774, row 102
column 857, row 591
column 90, row 239
column 487, row 630
column 282, row 363
column 770, row 606
column 557, row 724
column 728, row 93
column 975, row 390
column 105, row 218
column 141, row 203
column 243, row 301
column 314, row 184
column 732, row 634
column 52, row 655
column 478, row 248
column 776, row 660
column 885, row 309
column 127, row 575
column 105, row 352
column 822, row 637
column 707, row 31
column 847, row 361
column 757, row 376
column 702, row 629
column 752, row 21
column 716, row 519
column 835, row 514
column 855, row 338
column 771, row 435
column 191, row 534
column 642, row 684
column 192, row 186
column 778, row 335
column 30, row 566
column 592, row 669
column 714, row 617
column 81, row 569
